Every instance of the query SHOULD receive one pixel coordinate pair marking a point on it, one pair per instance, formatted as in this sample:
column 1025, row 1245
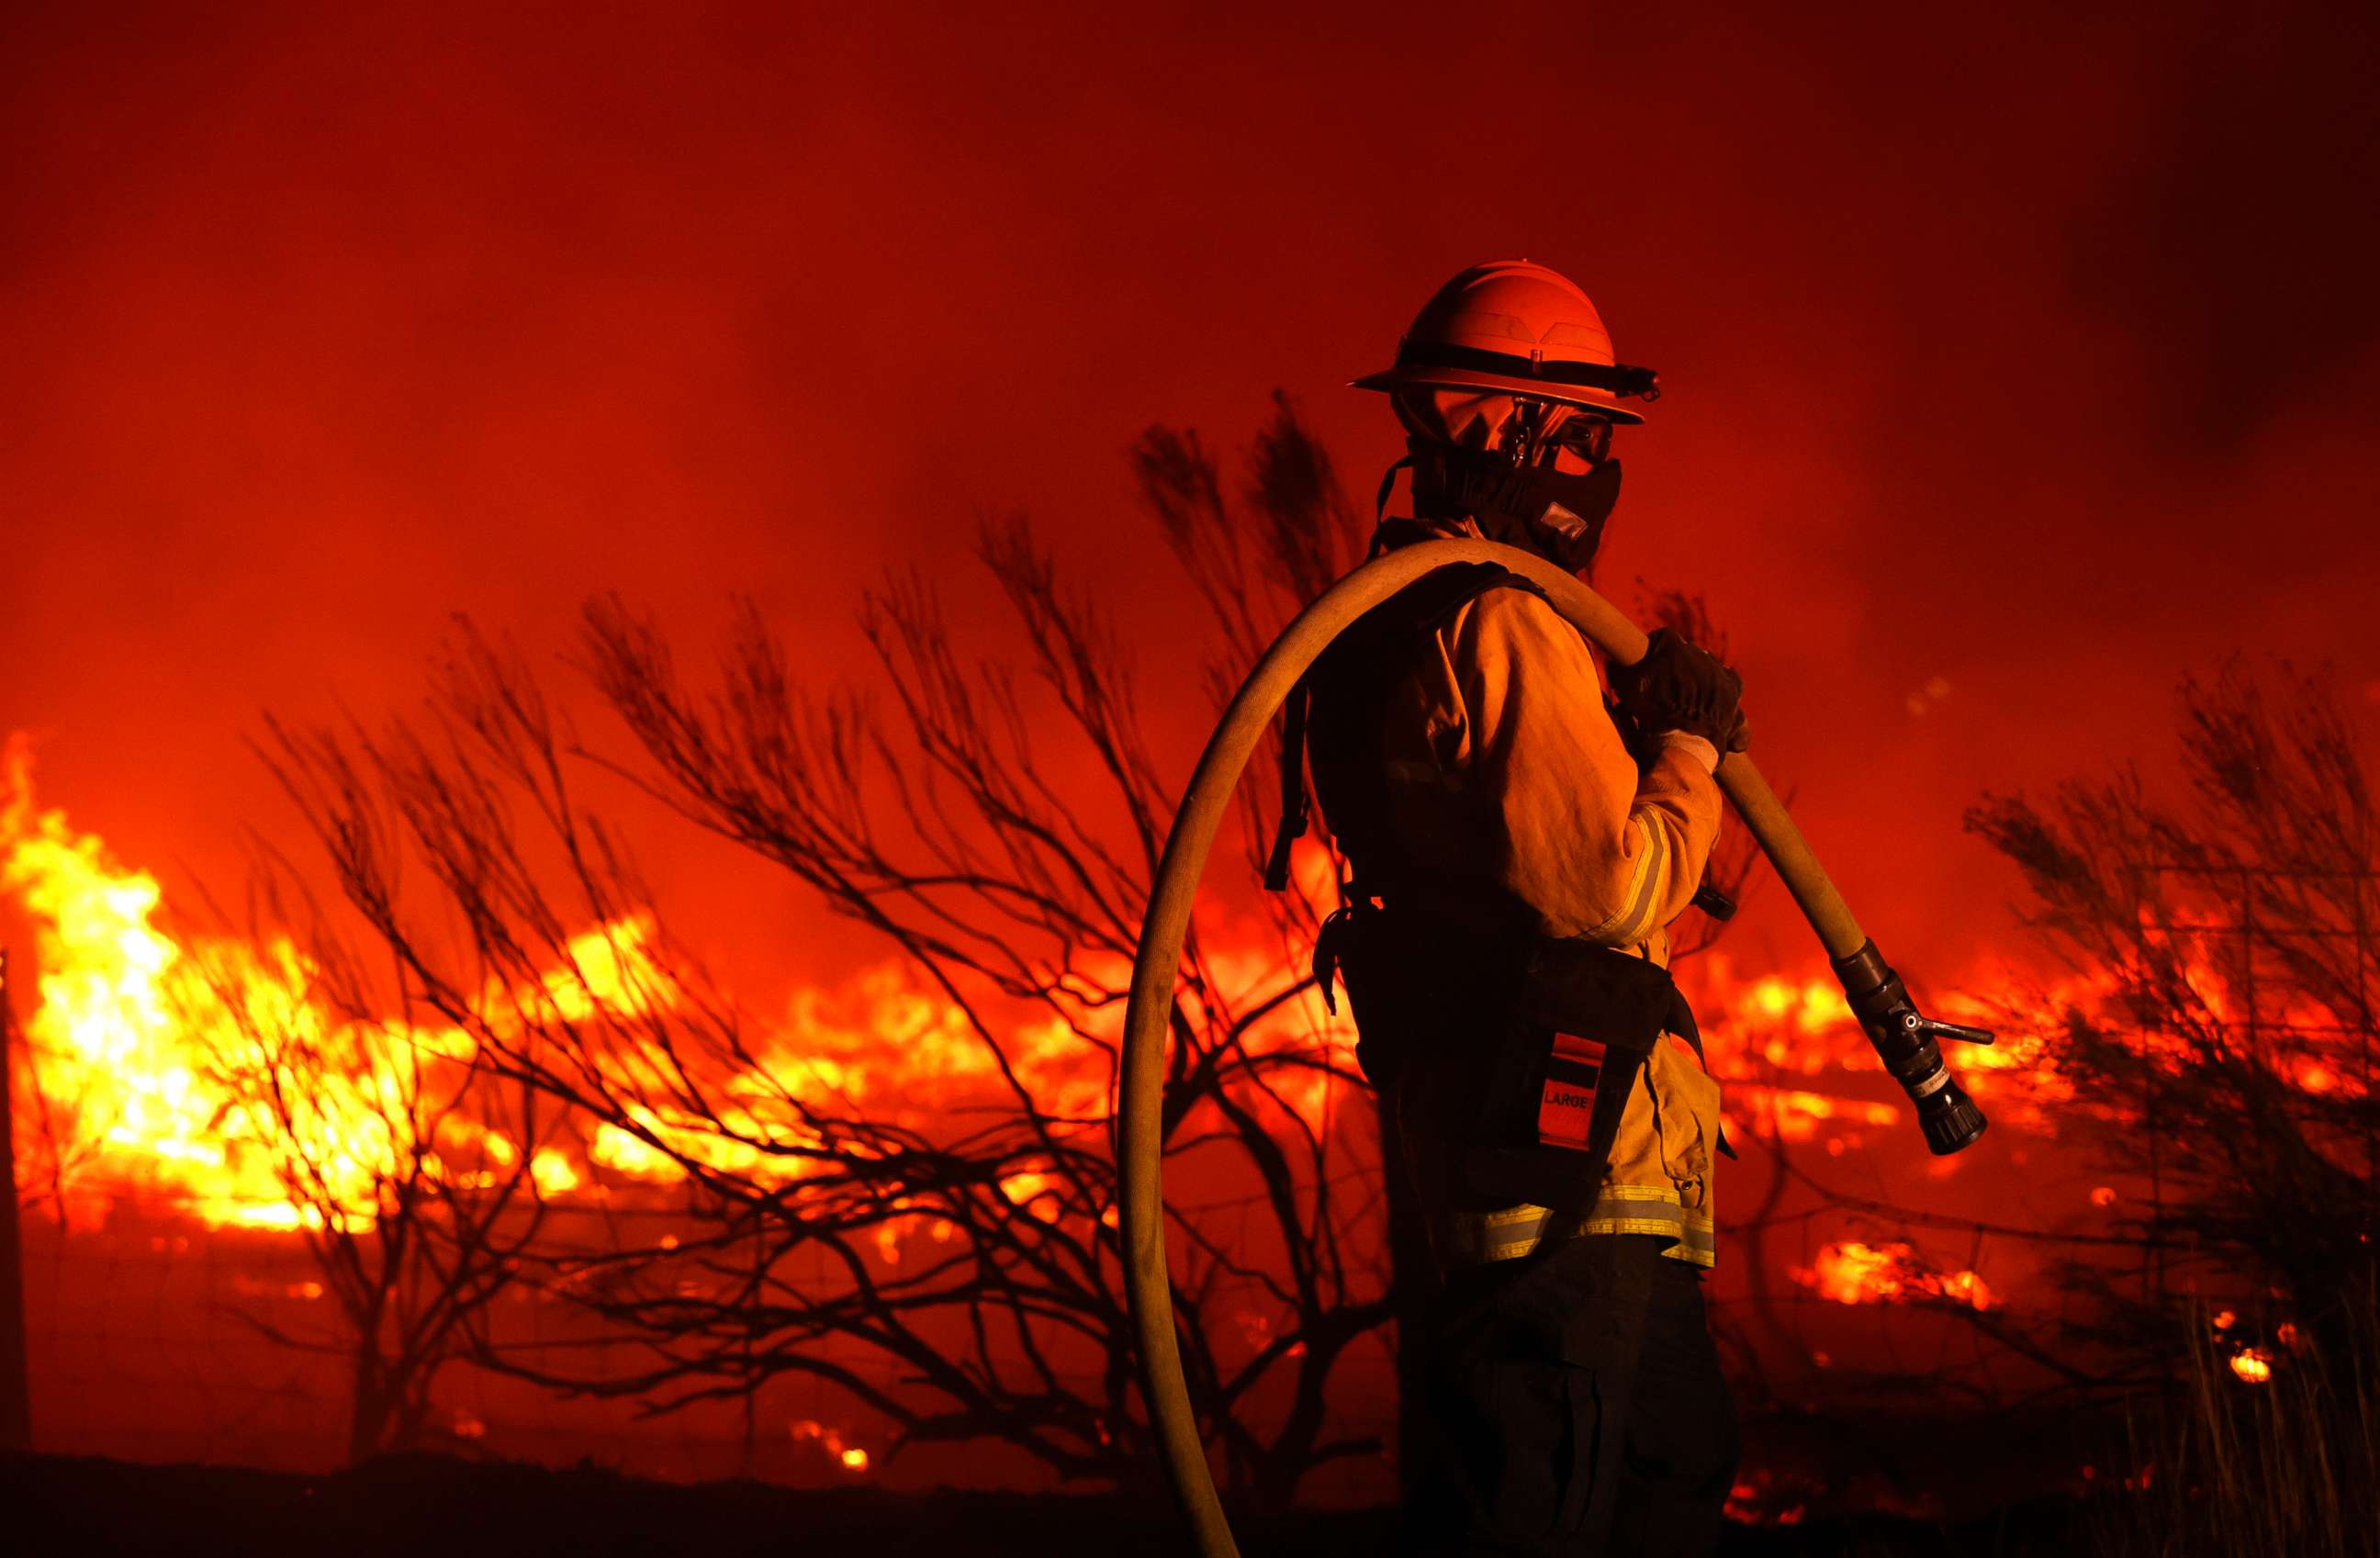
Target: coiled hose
column 1148, row 1284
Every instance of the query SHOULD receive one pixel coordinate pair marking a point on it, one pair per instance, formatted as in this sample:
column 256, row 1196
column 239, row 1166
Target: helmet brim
column 1599, row 400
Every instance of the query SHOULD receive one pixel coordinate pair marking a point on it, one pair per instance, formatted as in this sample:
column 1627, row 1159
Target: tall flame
column 127, row 1096
column 132, row 1049
column 121, row 1101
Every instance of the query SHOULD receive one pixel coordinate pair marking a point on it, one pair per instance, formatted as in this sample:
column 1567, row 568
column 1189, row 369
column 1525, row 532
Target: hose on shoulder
column 1148, row 1282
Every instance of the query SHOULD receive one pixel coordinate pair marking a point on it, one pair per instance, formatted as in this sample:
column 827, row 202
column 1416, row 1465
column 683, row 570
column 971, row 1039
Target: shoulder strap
column 1387, row 485
column 1292, row 786
column 1420, row 608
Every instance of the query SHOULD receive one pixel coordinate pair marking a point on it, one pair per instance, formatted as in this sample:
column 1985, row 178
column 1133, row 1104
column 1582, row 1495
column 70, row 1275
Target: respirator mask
column 1516, row 488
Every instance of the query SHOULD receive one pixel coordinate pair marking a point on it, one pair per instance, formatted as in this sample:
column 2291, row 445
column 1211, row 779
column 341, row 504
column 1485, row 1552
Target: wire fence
column 148, row 1339
column 156, row 1338
column 150, row 1336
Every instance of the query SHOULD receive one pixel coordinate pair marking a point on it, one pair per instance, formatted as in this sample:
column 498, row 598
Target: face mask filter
column 1558, row 514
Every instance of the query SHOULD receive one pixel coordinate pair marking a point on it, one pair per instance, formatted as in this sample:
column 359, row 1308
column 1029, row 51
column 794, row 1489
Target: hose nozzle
column 1908, row 1042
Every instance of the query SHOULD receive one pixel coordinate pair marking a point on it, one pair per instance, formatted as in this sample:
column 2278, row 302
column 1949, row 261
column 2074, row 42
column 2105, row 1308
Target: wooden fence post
column 15, row 1399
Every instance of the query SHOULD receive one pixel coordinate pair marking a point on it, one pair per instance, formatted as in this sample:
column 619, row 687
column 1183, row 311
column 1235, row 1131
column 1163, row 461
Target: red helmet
column 1520, row 328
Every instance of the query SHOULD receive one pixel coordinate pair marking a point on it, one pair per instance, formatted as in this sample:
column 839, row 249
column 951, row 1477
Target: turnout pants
column 1574, row 1408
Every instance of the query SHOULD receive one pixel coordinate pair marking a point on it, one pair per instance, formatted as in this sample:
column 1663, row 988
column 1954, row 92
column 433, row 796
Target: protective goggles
column 1583, row 434
column 1587, row 436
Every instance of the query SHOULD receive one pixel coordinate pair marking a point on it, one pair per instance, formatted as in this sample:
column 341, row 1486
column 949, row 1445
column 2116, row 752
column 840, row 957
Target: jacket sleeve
column 1600, row 849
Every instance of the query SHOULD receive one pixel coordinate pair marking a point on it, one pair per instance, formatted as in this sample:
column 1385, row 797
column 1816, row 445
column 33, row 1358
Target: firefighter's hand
column 1679, row 687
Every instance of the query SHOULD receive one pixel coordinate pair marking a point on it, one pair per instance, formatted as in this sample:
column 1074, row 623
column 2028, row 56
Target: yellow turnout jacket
column 1505, row 771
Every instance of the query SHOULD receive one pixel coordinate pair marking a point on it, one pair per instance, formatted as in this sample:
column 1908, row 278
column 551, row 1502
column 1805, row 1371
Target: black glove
column 1679, row 687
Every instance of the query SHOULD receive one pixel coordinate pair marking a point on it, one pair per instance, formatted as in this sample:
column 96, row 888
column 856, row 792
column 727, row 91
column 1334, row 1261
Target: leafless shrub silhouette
column 2231, row 944
column 410, row 1163
column 999, row 827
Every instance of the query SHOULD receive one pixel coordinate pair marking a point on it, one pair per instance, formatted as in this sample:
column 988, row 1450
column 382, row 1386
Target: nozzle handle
column 1933, row 1029
column 1906, row 1040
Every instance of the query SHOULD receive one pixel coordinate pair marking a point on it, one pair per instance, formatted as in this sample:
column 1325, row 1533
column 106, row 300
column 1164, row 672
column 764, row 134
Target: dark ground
column 426, row 1507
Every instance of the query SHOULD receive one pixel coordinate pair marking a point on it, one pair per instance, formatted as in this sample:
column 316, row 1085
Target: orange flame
column 132, row 1052
column 126, row 1097
column 122, row 1043
column 126, row 1048
column 1851, row 1273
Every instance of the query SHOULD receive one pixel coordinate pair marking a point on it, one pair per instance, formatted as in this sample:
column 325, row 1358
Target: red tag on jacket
column 1566, row 1113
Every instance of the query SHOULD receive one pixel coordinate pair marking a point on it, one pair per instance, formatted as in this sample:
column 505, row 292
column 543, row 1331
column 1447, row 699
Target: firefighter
column 1518, row 848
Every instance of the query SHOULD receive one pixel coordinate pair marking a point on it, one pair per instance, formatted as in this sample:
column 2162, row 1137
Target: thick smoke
column 2017, row 363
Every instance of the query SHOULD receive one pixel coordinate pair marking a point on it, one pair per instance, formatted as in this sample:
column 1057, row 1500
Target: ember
column 850, row 1457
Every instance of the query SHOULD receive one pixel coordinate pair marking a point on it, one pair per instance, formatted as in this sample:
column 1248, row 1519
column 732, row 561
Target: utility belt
column 1515, row 1051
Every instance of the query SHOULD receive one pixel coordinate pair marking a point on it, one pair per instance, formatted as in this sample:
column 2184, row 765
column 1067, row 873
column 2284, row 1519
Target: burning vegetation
column 484, row 1070
column 1852, row 1273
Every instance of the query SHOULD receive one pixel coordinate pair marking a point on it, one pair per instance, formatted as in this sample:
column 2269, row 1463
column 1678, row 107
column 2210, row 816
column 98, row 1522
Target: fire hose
column 1906, row 1040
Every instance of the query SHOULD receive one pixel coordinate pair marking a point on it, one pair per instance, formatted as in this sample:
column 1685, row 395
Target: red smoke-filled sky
column 2021, row 357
